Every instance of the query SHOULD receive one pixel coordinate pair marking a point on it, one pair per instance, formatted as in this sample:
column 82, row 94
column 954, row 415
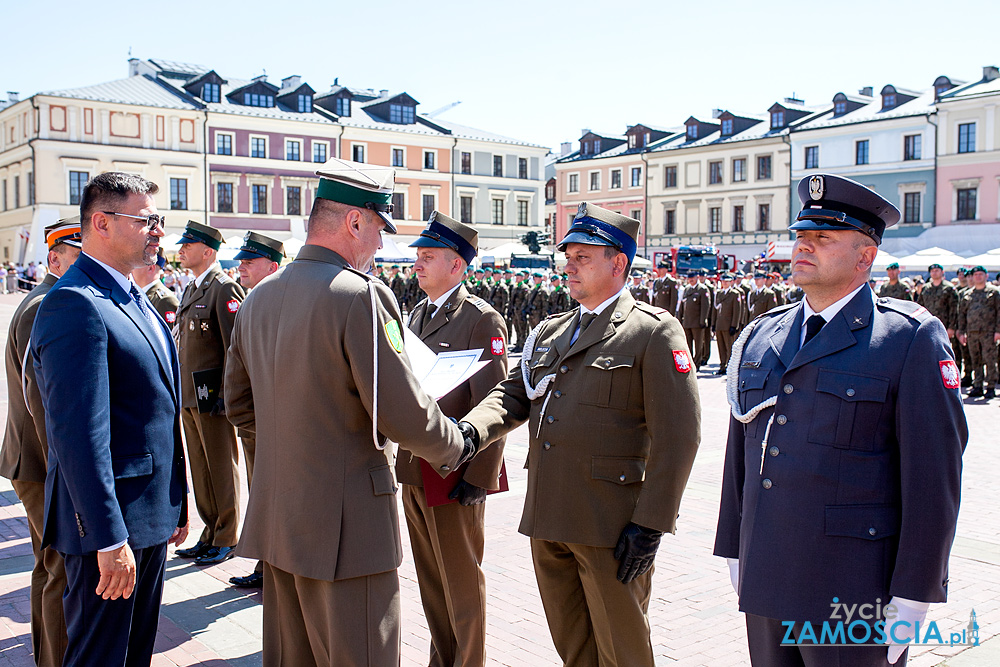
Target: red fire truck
column 678, row 260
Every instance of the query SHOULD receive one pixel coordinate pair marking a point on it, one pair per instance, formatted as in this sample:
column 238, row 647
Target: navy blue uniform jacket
column 859, row 493
column 116, row 464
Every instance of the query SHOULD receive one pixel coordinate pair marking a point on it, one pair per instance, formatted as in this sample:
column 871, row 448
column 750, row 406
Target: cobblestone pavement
column 693, row 613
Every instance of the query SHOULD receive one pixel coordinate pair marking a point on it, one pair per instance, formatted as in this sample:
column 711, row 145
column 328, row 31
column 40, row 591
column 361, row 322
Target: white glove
column 907, row 611
column 734, row 573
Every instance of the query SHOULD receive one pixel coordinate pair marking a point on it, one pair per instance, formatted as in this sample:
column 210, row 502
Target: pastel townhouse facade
column 885, row 141
column 968, row 152
column 723, row 181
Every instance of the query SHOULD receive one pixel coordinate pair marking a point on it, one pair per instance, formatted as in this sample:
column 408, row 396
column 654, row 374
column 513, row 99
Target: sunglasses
column 153, row 222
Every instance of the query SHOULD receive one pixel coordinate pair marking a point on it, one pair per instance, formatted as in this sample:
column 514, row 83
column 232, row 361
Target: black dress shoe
column 976, row 393
column 252, row 580
column 197, row 550
column 215, row 555
column 966, row 382
column 990, row 393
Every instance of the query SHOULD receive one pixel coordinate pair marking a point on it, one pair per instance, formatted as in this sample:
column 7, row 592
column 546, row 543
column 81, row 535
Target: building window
column 77, row 179
column 670, row 177
column 967, row 138
column 812, row 157
column 966, row 204
column 17, row 192
column 259, row 197
column 257, row 100
column 777, row 119
column 522, row 212
column 398, row 159
column 466, row 162
column 763, row 217
column 861, row 152
column 839, row 108
column 616, row 179
column 595, row 180
column 498, row 211
column 293, row 200
column 3, row 186
column 727, row 127
column 692, row 132
column 31, row 190
column 401, row 114
column 522, row 167
column 305, row 103
column 888, row 100
column 911, row 207
column 430, row 160
column 319, row 152
column 258, row 147
column 342, row 106
column 632, row 141
column 714, row 173
column 739, row 169
column 550, row 191
column 210, row 92
column 178, row 194
column 398, row 206
column 911, row 147
column 670, row 221
column 498, row 165
column 636, row 177
column 637, row 214
column 737, row 218
column 224, row 197
column 223, row 144
column 763, row 167
column 573, row 183
column 597, row 146
column 714, row 220
column 427, row 205
column 293, row 150
column 358, row 153
column 465, row 209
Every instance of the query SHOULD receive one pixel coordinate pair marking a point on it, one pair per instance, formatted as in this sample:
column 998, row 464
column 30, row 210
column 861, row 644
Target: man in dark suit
column 108, row 378
column 857, row 487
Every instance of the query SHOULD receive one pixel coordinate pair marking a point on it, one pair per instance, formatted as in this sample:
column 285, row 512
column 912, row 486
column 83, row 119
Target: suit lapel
column 563, row 338
column 443, row 314
column 605, row 325
column 786, row 337
column 838, row 334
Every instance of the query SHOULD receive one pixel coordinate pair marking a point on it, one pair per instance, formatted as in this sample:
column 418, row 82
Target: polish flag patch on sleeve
column 496, row 346
column 233, row 305
column 949, row 374
column 682, row 362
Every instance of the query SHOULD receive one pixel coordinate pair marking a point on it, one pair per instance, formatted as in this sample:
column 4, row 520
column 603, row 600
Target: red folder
column 437, row 488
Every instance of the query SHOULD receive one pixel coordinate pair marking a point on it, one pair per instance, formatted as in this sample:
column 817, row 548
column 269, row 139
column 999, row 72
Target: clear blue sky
column 537, row 71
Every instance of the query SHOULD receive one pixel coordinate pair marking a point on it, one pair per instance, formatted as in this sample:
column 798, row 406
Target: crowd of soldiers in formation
column 719, row 305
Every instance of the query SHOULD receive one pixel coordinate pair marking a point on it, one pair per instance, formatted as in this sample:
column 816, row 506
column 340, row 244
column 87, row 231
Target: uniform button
column 547, row 445
column 766, row 483
column 550, row 419
column 872, row 531
column 563, row 368
column 607, row 362
column 788, row 388
column 782, row 419
column 621, row 478
column 446, row 467
column 557, row 393
column 850, row 392
column 773, row 451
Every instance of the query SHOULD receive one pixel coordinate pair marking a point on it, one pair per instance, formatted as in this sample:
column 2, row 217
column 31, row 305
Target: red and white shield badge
column 682, row 362
column 496, row 346
column 233, row 305
column 170, row 316
column 949, row 374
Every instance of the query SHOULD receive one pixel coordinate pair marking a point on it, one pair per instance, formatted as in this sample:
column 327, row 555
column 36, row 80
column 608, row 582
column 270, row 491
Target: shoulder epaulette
column 478, row 302
column 652, row 310
column 911, row 309
column 224, row 278
column 777, row 310
column 359, row 273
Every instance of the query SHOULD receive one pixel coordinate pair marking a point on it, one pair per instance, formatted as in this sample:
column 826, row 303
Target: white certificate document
column 440, row 373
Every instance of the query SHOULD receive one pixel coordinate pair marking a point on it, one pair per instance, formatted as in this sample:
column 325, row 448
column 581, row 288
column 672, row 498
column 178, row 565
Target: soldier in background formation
column 695, row 313
column 559, row 299
column 727, row 319
column 941, row 298
column 979, row 328
column 148, row 279
column 762, row 298
column 894, row 288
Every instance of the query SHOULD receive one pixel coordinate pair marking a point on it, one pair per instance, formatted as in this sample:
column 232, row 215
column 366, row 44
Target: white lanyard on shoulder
column 733, row 391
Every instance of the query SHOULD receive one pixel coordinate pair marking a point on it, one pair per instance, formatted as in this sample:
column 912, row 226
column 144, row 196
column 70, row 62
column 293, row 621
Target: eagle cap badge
column 817, row 187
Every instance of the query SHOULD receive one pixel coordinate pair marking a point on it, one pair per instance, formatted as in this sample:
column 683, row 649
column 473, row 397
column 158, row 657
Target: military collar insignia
column 617, row 315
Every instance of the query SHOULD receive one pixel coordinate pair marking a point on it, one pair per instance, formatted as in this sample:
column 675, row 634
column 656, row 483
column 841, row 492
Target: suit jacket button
column 850, row 392
column 446, row 467
column 872, row 531
column 788, row 388
column 557, row 393
column 621, row 478
column 547, row 445
column 773, row 451
column 766, row 484
column 564, row 368
column 782, row 419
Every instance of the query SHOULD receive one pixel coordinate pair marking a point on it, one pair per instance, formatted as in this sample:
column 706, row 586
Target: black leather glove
column 471, row 438
column 732, row 331
column 219, row 409
column 468, row 494
column 636, row 550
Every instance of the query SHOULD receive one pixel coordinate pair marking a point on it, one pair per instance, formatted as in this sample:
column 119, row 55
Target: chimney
column 565, row 148
column 383, row 93
column 13, row 96
column 717, row 112
column 794, row 100
column 260, row 78
column 336, row 81
column 990, row 72
column 291, row 82
column 585, row 131
column 866, row 91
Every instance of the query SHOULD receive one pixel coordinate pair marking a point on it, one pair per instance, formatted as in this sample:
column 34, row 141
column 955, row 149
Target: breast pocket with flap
column 607, row 377
column 847, row 410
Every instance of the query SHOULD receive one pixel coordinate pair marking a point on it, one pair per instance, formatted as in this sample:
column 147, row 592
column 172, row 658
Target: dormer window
column 258, row 100
column 342, row 107
column 645, row 139
column 839, row 108
column 305, row 103
column 889, row 100
column 692, row 132
column 210, row 92
column 727, row 127
column 777, row 119
column 632, row 141
column 401, row 114
column 942, row 88
column 597, row 146
column 586, row 148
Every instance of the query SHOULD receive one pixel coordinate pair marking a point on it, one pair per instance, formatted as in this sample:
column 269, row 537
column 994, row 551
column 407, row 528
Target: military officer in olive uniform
column 448, row 539
column 259, row 257
column 24, row 457
column 148, row 279
column 637, row 288
column 665, row 292
column 612, row 401
column 322, row 511
column 536, row 302
column 839, row 484
column 204, row 326
column 940, row 298
column 695, row 314
column 979, row 328
column 893, row 287
column 728, row 318
column 762, row 298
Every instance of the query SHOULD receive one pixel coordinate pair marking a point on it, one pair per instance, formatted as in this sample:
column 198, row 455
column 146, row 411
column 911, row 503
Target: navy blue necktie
column 813, row 325
column 139, row 301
